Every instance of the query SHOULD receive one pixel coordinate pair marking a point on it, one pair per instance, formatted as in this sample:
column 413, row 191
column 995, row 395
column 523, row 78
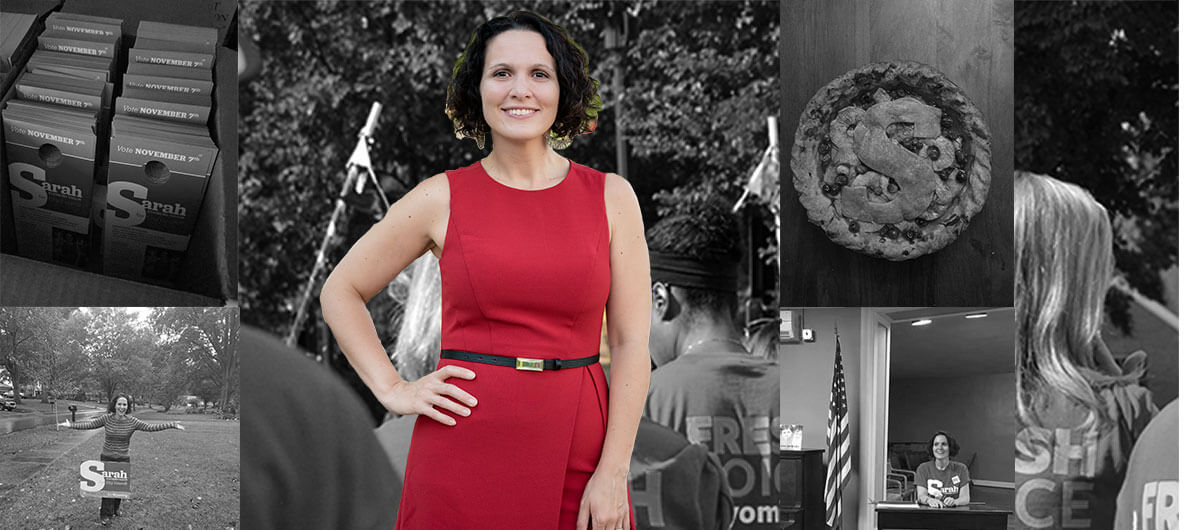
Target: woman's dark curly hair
column 579, row 94
column 949, row 441
column 112, row 404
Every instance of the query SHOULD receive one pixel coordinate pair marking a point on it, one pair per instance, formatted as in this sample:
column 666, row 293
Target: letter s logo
column 92, row 481
column 125, row 204
column 27, row 182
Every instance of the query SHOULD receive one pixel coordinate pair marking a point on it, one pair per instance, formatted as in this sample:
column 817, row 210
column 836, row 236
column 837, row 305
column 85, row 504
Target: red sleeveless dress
column 524, row 274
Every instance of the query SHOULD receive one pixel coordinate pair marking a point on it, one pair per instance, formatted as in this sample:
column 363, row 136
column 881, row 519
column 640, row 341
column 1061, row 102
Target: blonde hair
column 418, row 341
column 1063, row 240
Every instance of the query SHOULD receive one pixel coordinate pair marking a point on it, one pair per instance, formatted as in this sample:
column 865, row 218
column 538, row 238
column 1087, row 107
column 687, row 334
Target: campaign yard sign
column 104, row 479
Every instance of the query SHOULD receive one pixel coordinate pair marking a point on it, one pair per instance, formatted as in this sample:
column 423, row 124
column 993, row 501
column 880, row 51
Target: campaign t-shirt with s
column 943, row 483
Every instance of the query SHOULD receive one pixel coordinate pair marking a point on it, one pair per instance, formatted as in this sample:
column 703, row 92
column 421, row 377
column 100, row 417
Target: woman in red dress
column 518, row 426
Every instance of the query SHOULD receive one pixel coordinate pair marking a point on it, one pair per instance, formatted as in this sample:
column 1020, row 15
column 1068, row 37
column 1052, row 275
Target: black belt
column 520, row 363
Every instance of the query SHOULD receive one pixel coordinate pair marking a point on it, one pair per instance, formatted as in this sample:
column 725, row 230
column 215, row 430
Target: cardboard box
column 41, row 8
column 209, row 274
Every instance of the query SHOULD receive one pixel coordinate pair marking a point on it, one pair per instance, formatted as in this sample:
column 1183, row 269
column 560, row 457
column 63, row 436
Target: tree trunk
column 14, row 371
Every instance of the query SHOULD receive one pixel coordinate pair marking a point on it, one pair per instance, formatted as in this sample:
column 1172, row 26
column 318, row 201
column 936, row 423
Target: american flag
column 837, row 437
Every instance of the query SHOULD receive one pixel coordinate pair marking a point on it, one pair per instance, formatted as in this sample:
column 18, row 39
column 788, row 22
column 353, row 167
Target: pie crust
column 892, row 160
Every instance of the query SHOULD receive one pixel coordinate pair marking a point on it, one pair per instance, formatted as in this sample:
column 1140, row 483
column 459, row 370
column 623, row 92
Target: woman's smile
column 519, row 113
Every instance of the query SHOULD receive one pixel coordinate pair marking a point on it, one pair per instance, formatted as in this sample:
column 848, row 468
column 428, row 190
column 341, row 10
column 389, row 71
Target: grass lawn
column 179, row 479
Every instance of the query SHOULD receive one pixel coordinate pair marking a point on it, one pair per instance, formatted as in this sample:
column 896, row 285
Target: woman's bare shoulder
column 618, row 191
column 430, row 197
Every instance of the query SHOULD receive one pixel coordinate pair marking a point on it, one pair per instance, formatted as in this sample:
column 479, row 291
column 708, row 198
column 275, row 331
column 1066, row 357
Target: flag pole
column 358, row 168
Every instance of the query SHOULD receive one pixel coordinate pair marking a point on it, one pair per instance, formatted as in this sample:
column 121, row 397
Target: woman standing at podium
column 942, row 482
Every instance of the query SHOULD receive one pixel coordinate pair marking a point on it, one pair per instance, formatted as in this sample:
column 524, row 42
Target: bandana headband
column 687, row 272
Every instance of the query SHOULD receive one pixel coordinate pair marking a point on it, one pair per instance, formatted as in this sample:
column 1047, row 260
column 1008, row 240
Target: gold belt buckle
column 532, row 365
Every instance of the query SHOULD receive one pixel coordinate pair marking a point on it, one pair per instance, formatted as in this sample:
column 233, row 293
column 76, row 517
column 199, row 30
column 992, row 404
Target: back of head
column 763, row 341
column 698, row 251
column 1063, row 240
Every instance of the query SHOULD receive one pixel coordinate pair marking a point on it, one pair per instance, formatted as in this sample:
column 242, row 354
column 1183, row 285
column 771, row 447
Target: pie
column 892, row 160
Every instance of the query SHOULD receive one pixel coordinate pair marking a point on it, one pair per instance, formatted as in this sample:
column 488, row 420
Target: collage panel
column 910, row 409
column 119, row 159
column 123, row 417
column 529, row 269
column 896, row 182
column 1097, row 266
column 970, row 219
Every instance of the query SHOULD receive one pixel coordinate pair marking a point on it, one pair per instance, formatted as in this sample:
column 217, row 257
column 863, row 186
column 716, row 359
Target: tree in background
column 119, row 347
column 23, row 331
column 698, row 80
column 1098, row 105
column 205, row 339
column 62, row 368
column 153, row 354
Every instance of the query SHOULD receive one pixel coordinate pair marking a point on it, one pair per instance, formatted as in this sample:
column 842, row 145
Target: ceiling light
column 922, row 322
column 977, row 315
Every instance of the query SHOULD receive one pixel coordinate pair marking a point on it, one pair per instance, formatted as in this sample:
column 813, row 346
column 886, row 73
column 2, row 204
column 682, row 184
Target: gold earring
column 557, row 143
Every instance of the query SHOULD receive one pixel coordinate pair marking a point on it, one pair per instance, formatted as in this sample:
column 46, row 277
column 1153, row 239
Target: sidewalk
column 29, row 406
column 26, row 453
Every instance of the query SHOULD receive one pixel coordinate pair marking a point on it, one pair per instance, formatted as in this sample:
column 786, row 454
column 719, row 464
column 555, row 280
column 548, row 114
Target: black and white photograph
column 898, row 417
column 591, row 264
column 118, row 161
column 122, row 417
column 1097, row 256
column 896, row 183
column 490, row 338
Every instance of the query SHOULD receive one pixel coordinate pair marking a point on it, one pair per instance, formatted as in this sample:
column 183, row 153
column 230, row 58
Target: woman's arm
column 923, row 497
column 628, row 313
column 140, row 425
column 413, row 225
column 94, row 423
column 964, row 496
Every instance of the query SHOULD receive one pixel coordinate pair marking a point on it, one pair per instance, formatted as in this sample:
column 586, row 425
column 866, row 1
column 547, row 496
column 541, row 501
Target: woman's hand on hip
column 605, row 503
column 430, row 393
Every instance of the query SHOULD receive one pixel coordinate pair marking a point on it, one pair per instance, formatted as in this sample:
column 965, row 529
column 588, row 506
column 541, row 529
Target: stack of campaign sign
column 161, row 154
column 15, row 32
column 55, row 130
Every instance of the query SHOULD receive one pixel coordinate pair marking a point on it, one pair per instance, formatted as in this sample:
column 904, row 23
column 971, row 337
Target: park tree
column 1098, row 105
column 205, row 339
column 62, row 367
column 689, row 85
column 23, row 334
column 119, row 346
column 170, row 374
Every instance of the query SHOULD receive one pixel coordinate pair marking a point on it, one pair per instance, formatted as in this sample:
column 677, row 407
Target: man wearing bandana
column 705, row 384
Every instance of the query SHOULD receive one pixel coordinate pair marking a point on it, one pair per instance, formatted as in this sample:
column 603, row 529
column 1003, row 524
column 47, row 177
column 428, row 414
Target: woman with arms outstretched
column 118, row 429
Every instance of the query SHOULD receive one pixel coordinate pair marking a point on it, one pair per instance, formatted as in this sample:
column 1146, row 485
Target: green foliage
column 198, row 349
column 699, row 80
column 153, row 354
column 1097, row 103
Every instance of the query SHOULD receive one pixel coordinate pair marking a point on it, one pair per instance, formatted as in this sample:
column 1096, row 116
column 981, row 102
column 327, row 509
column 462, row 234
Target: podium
column 802, row 489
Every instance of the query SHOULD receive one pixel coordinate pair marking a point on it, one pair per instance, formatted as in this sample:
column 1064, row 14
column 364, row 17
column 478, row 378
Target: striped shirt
column 117, row 431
